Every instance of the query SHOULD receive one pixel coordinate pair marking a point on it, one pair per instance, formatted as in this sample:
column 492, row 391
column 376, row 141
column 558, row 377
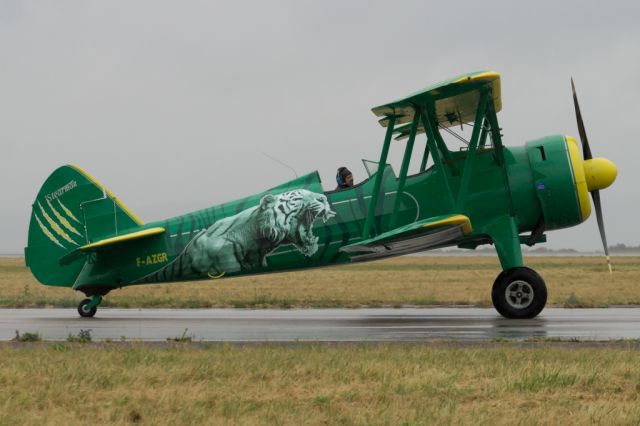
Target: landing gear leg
column 518, row 292
column 88, row 307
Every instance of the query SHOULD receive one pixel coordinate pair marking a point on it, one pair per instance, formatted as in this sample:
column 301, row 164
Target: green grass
column 421, row 281
column 83, row 336
column 27, row 337
column 184, row 383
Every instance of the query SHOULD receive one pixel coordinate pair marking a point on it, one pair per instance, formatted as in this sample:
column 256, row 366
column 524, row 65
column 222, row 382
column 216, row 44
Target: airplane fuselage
column 536, row 178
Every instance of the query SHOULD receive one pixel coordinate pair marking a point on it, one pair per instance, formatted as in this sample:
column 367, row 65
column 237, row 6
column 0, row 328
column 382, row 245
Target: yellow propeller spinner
column 599, row 173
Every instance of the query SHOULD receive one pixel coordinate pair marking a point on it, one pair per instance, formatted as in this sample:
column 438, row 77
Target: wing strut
column 471, row 153
column 431, row 142
column 476, row 97
column 404, row 169
column 373, row 202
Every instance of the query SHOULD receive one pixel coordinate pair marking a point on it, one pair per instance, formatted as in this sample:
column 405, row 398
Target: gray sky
column 170, row 104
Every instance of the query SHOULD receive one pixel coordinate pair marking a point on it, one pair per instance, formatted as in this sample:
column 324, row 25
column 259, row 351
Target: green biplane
column 81, row 236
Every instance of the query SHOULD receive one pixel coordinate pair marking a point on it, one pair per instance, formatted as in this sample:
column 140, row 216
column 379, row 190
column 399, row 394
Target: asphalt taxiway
column 324, row 325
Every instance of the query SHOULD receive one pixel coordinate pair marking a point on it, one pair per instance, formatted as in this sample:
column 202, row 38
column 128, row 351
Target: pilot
column 344, row 178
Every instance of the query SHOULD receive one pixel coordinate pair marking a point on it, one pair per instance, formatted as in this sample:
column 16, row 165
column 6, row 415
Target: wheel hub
column 519, row 294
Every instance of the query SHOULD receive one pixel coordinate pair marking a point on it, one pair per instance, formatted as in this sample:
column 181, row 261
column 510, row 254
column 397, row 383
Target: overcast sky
column 171, row 104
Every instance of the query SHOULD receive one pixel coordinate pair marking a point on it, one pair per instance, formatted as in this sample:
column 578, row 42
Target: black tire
column 519, row 293
column 84, row 311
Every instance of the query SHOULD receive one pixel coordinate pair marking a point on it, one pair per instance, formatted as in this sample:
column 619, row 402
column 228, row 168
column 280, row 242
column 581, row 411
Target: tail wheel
column 519, row 293
column 85, row 311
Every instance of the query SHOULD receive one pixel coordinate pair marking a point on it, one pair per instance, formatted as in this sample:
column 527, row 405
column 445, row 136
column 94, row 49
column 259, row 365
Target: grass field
column 389, row 384
column 318, row 384
column 421, row 281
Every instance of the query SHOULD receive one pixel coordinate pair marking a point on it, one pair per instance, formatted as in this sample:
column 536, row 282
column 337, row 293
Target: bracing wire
column 455, row 135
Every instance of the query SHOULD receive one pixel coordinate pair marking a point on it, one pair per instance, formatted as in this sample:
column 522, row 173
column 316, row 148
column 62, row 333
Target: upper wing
column 455, row 101
column 88, row 248
column 417, row 236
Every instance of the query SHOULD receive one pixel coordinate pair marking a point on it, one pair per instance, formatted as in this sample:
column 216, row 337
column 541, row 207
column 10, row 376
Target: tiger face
column 243, row 241
column 293, row 215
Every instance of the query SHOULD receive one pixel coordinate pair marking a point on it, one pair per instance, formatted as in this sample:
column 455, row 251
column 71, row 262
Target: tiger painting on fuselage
column 81, row 236
column 243, row 241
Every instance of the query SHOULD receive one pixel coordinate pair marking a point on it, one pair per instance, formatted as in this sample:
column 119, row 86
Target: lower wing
column 417, row 236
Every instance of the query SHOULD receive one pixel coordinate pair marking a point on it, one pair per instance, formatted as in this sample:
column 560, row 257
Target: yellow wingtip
column 457, row 219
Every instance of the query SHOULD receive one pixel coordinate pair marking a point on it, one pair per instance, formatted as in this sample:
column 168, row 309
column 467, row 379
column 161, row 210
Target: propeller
column 586, row 151
column 597, row 169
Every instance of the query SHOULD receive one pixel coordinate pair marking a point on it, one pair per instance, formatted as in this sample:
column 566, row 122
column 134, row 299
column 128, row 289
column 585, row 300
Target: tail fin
column 72, row 209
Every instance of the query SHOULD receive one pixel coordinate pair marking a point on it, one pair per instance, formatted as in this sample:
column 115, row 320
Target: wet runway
column 324, row 325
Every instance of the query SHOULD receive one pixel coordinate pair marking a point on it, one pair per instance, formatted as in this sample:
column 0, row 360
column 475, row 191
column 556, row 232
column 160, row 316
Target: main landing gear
column 519, row 293
column 88, row 307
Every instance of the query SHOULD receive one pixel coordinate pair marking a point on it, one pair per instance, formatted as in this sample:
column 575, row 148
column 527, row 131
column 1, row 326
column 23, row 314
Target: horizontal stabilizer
column 86, row 249
column 415, row 237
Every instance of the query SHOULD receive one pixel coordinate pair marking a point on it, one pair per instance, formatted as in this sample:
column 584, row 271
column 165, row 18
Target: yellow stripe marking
column 67, row 211
column 109, row 193
column 578, row 176
column 55, row 226
column 457, row 219
column 213, row 277
column 63, row 220
column 47, row 232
